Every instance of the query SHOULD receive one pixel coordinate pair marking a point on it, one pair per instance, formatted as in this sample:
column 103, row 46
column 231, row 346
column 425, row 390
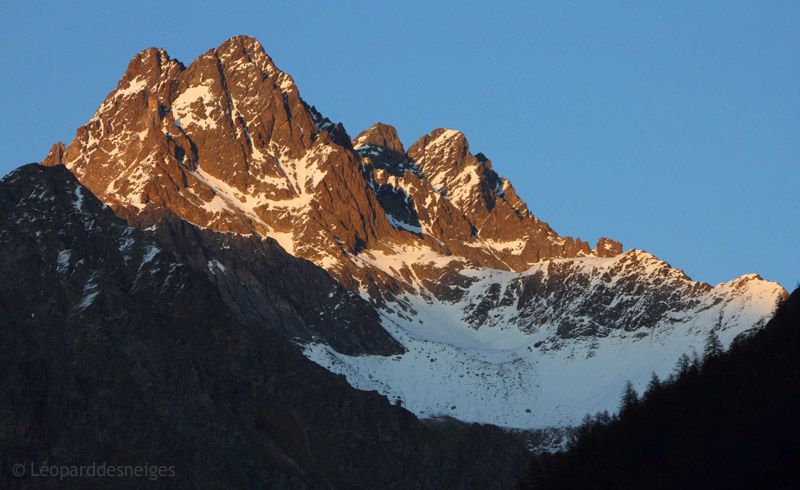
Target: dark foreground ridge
column 728, row 423
column 113, row 351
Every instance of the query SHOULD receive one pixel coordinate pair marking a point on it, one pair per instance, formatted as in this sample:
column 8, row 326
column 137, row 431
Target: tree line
column 728, row 419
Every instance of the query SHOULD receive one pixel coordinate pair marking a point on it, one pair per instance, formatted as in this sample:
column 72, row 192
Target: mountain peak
column 606, row 247
column 443, row 155
column 242, row 50
column 243, row 40
column 227, row 143
column 380, row 135
column 147, row 68
column 55, row 156
column 441, row 140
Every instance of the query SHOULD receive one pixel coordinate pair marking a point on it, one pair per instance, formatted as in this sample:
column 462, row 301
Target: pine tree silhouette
column 629, row 398
column 653, row 387
column 713, row 346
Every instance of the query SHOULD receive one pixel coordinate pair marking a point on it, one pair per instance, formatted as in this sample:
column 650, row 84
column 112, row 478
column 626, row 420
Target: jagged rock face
column 592, row 297
column 228, row 144
column 606, row 247
column 383, row 137
column 112, row 350
column 456, row 199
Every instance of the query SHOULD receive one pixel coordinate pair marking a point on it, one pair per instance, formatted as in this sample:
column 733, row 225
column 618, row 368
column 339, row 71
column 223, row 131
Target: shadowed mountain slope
column 113, row 350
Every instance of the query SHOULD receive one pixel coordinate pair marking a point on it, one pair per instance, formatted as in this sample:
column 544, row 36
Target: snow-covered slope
column 536, row 359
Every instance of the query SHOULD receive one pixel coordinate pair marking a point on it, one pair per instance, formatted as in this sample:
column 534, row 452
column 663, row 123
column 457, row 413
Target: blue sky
column 674, row 128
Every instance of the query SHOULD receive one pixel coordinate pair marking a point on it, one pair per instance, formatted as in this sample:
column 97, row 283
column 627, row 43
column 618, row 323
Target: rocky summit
column 417, row 272
column 228, row 144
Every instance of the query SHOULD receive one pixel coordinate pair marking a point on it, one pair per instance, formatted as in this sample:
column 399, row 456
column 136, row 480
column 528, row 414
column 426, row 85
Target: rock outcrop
column 228, row 144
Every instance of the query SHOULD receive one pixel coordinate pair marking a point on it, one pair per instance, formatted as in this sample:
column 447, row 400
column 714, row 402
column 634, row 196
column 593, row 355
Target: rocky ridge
column 228, row 144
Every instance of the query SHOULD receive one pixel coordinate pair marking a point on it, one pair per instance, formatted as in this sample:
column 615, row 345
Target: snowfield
column 502, row 375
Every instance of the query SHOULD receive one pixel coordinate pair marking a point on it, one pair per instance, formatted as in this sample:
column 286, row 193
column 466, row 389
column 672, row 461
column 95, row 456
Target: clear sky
column 674, row 128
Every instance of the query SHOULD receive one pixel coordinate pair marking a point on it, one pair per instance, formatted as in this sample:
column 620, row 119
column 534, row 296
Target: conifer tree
column 695, row 360
column 682, row 366
column 653, row 386
column 629, row 398
column 713, row 346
